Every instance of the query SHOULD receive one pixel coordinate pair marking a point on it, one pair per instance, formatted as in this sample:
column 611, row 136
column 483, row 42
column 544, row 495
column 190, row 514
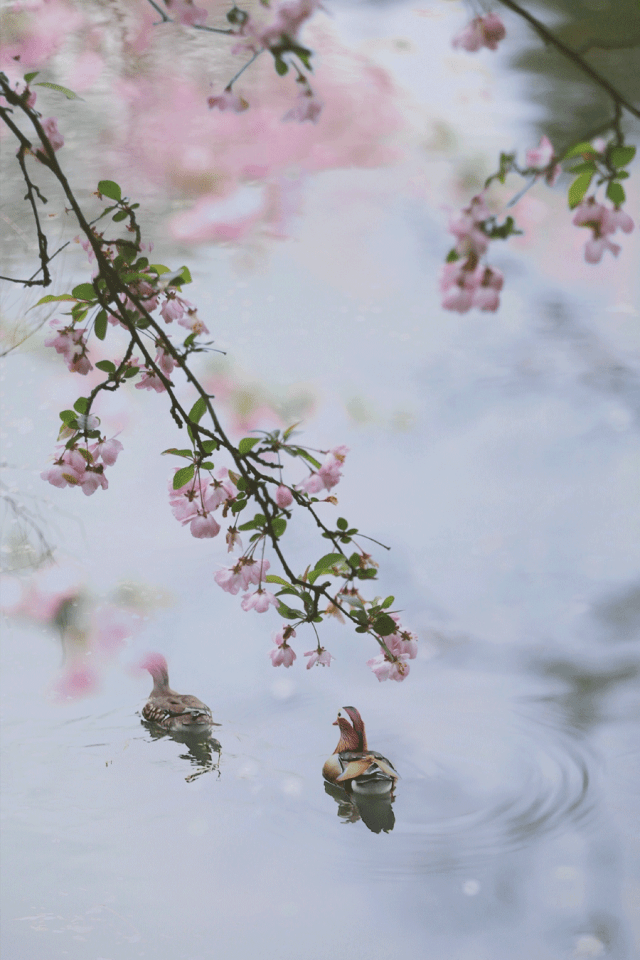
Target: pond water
column 498, row 457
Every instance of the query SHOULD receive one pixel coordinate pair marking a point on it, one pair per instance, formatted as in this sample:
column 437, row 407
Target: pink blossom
column 485, row 31
column 55, row 138
column 151, row 381
column 614, row 219
column 319, row 656
column 284, row 497
column 589, row 213
column 228, row 101
column 386, row 669
column 92, row 479
column 107, row 451
column 313, row 484
column 187, row 13
column 459, row 300
column 283, row 655
column 284, row 634
column 165, row 361
column 217, row 491
column 306, row 107
column 174, row 307
column 241, row 575
column 259, row 601
column 402, row 643
column 233, row 539
column 595, row 247
column 192, row 322
column 204, row 525
column 486, row 298
column 540, row 156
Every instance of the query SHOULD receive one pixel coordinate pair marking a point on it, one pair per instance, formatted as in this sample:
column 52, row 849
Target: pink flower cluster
column 328, row 475
column 85, row 469
column 195, row 502
column 485, row 31
column 241, row 575
column 603, row 221
column 403, row 646
column 177, row 308
column 465, row 282
column 72, row 344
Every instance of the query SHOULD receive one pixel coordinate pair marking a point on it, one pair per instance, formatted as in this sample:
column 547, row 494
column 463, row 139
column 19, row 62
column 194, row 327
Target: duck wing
column 175, row 707
column 367, row 767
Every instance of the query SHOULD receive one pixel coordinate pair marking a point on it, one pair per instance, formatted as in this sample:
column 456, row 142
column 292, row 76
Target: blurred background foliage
column 606, row 33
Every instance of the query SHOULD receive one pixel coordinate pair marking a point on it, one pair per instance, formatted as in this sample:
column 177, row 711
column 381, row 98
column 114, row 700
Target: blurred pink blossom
column 485, row 31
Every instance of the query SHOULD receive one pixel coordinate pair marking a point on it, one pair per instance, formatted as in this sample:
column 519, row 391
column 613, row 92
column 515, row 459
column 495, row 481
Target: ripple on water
column 454, row 818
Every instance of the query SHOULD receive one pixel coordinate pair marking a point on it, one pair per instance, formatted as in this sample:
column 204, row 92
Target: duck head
column 157, row 666
column 352, row 732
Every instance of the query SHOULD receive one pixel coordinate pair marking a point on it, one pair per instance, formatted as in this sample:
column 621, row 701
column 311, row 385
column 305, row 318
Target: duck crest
column 352, row 764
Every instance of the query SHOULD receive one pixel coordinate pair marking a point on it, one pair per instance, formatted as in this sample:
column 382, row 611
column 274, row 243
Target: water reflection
column 203, row 750
column 374, row 810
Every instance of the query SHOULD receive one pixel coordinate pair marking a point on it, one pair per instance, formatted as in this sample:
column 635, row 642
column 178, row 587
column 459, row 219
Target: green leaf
column 109, row 188
column 185, row 276
column 131, row 372
column 328, row 561
column 621, row 156
column 50, row 298
column 272, row 578
column 207, row 465
column 342, row 524
column 578, row 189
column 178, row 453
column 69, row 94
column 84, row 291
column 183, row 476
column 583, row 167
column 289, row 431
column 387, row 603
column 68, row 416
column 120, row 215
column 246, row 444
column 160, row 268
column 100, row 325
column 198, row 410
column 278, row 526
column 209, row 446
column 615, row 192
column 81, row 405
column 583, row 147
column 281, row 66
column 301, row 452
column 384, row 625
column 106, row 365
column 28, row 77
column 288, row 613
column 256, row 524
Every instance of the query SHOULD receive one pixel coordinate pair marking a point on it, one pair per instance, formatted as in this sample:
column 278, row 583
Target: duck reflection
column 374, row 810
column 203, row 750
column 361, row 780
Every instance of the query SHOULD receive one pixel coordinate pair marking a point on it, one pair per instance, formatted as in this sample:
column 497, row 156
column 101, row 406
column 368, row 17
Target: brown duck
column 352, row 765
column 177, row 712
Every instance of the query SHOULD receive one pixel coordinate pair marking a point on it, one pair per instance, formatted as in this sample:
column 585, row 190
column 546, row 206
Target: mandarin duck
column 352, row 765
column 176, row 712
